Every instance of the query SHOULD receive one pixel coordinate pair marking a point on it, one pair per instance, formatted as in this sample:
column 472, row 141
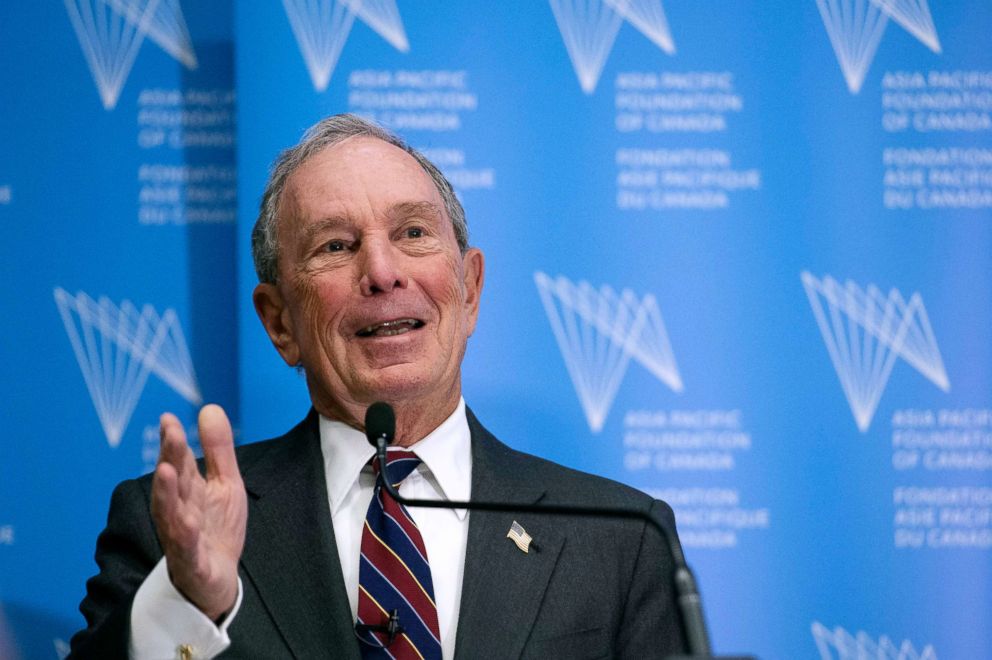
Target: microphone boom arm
column 687, row 594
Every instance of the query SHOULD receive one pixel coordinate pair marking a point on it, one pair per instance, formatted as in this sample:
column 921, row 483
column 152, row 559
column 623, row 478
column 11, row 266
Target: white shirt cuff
column 164, row 625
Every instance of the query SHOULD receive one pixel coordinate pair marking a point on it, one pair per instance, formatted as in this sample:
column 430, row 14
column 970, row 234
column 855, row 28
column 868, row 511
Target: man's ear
column 474, row 275
column 272, row 311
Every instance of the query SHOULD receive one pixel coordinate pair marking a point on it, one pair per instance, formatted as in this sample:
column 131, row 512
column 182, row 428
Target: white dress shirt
column 445, row 473
column 163, row 621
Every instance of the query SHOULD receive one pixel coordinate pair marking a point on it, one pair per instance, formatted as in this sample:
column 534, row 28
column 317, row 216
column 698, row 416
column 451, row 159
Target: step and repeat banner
column 118, row 204
column 739, row 256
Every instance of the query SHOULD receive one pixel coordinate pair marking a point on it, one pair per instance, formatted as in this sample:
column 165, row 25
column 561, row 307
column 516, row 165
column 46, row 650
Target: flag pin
column 519, row 536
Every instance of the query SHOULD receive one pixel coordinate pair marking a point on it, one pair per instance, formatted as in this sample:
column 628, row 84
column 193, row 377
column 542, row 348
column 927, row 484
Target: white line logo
column 855, row 28
column 865, row 331
column 838, row 644
column 598, row 332
column 110, row 33
column 589, row 28
column 117, row 347
column 321, row 28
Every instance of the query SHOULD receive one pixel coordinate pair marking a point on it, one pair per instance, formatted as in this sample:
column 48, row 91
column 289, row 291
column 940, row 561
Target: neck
column 414, row 423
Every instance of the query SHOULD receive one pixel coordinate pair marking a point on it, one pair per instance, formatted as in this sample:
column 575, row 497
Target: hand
column 201, row 522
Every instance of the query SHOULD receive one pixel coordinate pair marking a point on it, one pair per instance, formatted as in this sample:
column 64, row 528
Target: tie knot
column 399, row 465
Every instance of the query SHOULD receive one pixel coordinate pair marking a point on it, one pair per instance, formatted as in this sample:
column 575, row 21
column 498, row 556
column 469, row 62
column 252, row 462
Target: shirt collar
column 446, row 453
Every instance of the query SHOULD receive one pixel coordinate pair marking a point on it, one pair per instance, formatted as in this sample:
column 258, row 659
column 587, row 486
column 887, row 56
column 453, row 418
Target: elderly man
column 284, row 548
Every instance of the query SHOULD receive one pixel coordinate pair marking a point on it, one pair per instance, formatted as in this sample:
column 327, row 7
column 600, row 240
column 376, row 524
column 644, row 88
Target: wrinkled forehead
column 356, row 176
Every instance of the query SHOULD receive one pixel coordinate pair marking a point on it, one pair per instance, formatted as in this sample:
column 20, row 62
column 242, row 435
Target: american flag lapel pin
column 519, row 536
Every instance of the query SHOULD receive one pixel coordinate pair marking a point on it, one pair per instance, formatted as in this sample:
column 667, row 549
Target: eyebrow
column 396, row 212
column 315, row 229
column 408, row 209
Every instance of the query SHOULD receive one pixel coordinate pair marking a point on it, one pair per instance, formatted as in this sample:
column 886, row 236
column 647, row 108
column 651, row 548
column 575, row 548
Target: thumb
column 217, row 442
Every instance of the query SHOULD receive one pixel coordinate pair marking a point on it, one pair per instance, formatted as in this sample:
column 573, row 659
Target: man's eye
column 415, row 232
column 335, row 246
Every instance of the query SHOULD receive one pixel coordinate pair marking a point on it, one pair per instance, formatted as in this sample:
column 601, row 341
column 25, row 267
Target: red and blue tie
column 397, row 615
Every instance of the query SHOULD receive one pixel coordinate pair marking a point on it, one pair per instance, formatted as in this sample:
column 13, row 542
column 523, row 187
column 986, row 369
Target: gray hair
column 327, row 133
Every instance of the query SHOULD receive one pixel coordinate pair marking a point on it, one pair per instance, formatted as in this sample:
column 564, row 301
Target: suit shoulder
column 566, row 482
column 249, row 455
column 299, row 445
column 254, row 452
column 563, row 484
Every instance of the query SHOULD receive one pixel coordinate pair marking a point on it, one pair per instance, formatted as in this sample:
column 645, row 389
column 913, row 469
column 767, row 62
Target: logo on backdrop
column 855, row 28
column 110, row 33
column 838, row 644
column 865, row 331
column 598, row 332
column 589, row 28
column 117, row 347
column 321, row 29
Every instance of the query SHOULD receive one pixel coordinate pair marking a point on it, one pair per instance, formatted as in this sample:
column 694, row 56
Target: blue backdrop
column 739, row 257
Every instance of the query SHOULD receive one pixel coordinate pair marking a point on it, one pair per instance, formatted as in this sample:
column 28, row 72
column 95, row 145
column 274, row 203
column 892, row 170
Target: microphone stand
column 690, row 606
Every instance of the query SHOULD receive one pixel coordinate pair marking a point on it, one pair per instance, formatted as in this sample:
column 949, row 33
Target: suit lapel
column 292, row 555
column 502, row 587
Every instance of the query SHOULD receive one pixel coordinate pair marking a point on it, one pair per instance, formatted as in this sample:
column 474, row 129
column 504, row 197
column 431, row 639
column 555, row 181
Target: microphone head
column 380, row 422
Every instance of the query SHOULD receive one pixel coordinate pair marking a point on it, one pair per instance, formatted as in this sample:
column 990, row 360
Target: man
column 367, row 283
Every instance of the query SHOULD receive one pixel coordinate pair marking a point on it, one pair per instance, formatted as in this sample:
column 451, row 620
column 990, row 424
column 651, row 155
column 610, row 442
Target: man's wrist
column 216, row 614
column 163, row 620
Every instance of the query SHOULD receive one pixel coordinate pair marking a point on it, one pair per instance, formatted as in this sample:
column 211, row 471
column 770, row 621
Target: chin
column 397, row 383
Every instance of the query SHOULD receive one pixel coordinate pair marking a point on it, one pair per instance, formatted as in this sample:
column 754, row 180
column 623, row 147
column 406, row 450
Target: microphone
column 380, row 427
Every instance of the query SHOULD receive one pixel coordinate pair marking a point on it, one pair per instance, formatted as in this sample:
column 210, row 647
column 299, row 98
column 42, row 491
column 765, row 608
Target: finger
column 189, row 476
column 176, row 523
column 217, row 441
column 189, row 461
column 172, row 437
column 165, row 500
column 175, row 451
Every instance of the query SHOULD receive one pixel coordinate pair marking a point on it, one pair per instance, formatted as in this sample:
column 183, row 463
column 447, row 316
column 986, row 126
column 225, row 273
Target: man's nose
column 381, row 267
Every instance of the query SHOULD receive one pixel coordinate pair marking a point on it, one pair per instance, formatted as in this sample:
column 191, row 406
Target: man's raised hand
column 201, row 521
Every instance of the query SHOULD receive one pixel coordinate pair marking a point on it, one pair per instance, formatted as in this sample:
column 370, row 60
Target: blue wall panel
column 119, row 196
column 738, row 257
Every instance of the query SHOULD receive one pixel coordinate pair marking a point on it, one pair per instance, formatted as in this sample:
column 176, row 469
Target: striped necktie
column 397, row 616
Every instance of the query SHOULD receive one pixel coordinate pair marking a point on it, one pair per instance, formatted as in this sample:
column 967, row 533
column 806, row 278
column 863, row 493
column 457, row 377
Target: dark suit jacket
column 588, row 588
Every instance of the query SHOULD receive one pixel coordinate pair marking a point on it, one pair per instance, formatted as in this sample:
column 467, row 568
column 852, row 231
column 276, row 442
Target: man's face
column 374, row 298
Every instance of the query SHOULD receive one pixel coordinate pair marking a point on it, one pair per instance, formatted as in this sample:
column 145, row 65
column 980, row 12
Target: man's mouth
column 390, row 328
